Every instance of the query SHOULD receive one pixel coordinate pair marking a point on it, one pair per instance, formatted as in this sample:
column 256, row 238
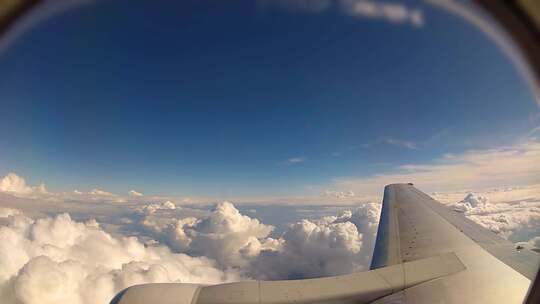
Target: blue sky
column 233, row 97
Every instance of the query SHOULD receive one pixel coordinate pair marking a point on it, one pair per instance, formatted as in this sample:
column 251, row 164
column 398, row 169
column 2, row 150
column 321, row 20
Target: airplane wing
column 424, row 253
column 413, row 226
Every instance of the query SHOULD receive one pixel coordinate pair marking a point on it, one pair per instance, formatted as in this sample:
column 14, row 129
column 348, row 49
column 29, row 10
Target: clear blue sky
column 213, row 97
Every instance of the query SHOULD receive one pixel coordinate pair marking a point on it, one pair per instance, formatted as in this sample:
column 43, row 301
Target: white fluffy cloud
column 308, row 248
column 329, row 246
column 473, row 204
column 52, row 260
column 153, row 207
column 16, row 185
column 516, row 220
column 226, row 236
column 56, row 259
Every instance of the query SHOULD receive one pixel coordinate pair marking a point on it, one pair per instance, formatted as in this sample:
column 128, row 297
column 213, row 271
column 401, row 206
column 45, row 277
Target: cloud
column 308, row 248
column 57, row 259
column 16, row 185
column 94, row 195
column 135, row 193
column 511, row 212
column 329, row 246
column 6, row 212
column 153, row 207
column 49, row 259
column 517, row 164
column 472, row 204
column 400, row 143
column 100, row 192
column 496, row 195
column 295, row 160
column 390, row 11
column 338, row 194
column 394, row 12
column 226, row 236
column 516, row 224
column 479, row 205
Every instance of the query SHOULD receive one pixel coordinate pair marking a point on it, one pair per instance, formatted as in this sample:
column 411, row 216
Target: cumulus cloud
column 517, row 220
column 16, row 185
column 329, row 246
column 153, row 207
column 57, row 259
column 472, row 204
column 226, row 236
column 221, row 244
column 135, row 193
column 308, row 248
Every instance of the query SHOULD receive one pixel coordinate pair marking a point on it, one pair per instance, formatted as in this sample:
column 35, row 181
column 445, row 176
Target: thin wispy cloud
column 135, row 193
column 517, row 164
column 295, row 160
column 393, row 12
column 390, row 11
column 400, row 143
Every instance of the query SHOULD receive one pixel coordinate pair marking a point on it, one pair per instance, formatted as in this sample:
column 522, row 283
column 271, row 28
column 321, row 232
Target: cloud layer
column 517, row 220
column 329, row 245
column 46, row 256
column 58, row 260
